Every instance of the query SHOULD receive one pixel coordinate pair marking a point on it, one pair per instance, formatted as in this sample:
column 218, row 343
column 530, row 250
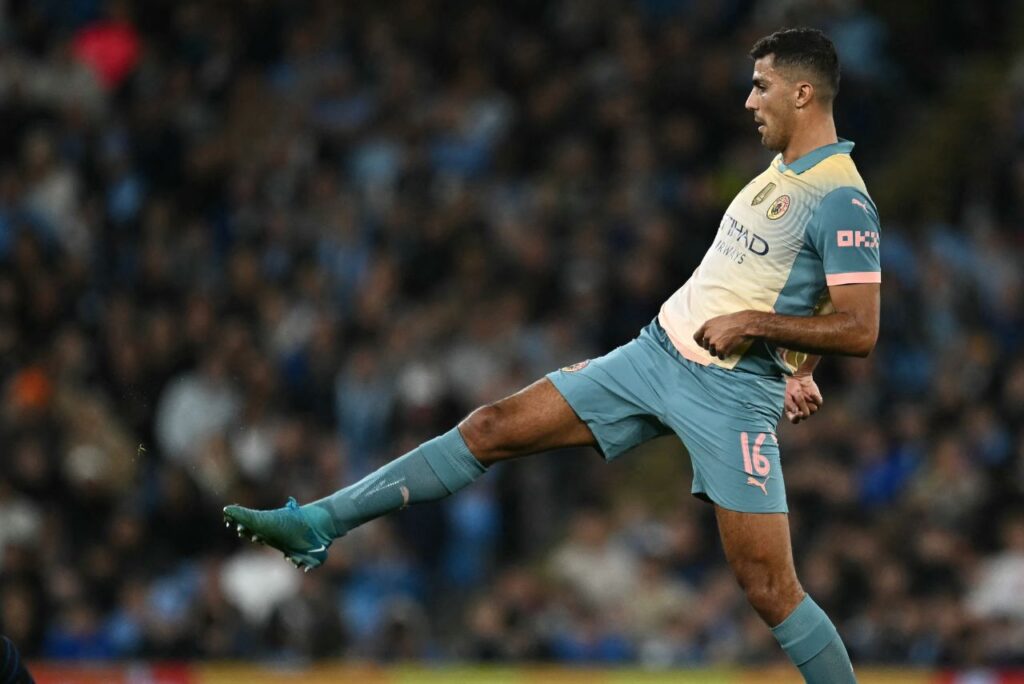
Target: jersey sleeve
column 846, row 234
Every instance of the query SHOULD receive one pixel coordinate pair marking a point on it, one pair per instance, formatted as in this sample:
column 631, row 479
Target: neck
column 811, row 136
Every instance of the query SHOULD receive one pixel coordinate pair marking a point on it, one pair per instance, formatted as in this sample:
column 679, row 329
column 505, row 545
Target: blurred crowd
column 255, row 249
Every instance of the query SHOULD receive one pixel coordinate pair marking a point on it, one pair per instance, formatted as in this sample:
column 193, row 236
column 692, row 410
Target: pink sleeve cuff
column 852, row 278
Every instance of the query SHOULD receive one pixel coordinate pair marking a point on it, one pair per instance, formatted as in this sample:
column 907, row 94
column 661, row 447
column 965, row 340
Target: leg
column 604, row 402
column 536, row 419
column 757, row 547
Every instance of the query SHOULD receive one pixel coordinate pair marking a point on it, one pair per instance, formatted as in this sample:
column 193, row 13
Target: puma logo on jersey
column 763, row 485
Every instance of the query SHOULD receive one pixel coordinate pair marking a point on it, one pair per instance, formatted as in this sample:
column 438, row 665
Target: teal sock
column 431, row 471
column 811, row 641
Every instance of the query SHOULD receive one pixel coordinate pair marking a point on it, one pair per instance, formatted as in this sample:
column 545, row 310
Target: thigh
column 537, row 418
column 758, row 549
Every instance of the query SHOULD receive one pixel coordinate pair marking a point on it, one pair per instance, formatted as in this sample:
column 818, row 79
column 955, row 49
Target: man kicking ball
column 793, row 273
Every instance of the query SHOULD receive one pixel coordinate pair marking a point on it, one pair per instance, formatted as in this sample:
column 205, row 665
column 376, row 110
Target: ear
column 804, row 94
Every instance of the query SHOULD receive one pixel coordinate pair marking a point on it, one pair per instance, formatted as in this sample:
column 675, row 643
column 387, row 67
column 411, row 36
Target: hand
column 803, row 398
column 723, row 335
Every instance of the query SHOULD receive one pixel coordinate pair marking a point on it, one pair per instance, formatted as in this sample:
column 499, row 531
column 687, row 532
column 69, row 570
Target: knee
column 774, row 593
column 483, row 434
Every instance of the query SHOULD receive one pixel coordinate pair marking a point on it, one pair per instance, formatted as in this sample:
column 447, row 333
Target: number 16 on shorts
column 754, row 462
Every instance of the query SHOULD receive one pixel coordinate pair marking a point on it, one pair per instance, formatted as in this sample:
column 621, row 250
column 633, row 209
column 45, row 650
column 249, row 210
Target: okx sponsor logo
column 857, row 238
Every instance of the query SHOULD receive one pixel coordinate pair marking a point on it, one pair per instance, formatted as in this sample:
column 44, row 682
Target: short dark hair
column 806, row 48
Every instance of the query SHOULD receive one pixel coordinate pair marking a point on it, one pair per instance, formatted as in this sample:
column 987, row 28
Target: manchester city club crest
column 759, row 197
column 779, row 207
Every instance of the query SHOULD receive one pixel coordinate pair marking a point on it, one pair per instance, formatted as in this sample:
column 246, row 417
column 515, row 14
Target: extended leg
column 758, row 549
column 532, row 420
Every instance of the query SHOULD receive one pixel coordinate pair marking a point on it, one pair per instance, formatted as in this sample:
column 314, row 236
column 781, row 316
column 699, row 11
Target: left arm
column 851, row 330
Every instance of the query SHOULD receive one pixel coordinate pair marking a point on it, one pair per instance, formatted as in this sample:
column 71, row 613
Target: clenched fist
column 723, row 335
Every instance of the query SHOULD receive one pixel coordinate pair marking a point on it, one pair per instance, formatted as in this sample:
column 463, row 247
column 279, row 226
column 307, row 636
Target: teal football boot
column 291, row 530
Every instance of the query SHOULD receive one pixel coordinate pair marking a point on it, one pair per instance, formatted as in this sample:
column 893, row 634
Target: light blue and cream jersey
column 788, row 236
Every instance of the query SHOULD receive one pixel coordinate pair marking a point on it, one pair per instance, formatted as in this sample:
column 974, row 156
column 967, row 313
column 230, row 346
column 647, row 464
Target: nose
column 751, row 103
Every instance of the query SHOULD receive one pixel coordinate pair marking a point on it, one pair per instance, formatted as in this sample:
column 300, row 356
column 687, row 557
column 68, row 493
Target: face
column 771, row 102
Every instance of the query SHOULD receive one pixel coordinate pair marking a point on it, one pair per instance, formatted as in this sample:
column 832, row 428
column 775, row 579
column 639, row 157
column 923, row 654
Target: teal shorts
column 725, row 418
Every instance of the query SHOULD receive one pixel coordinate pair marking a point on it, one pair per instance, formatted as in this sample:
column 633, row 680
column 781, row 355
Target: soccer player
column 793, row 273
